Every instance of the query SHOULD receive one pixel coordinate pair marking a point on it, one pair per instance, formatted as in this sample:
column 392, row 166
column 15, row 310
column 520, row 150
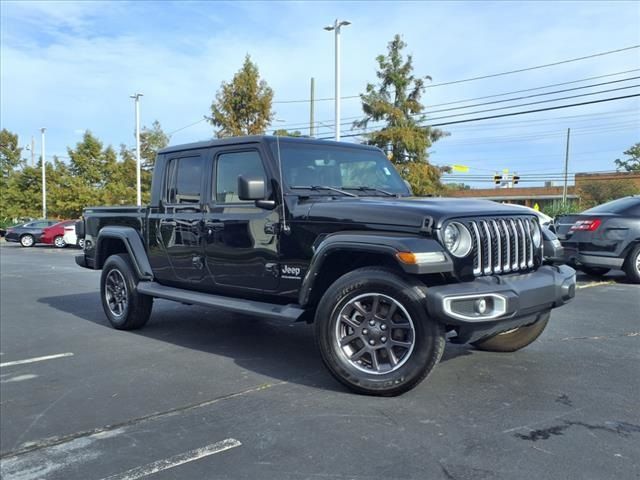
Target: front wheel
column 632, row 265
column 513, row 340
column 125, row 308
column 374, row 334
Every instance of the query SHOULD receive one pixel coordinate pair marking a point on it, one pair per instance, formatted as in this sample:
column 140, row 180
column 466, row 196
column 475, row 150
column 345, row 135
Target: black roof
column 259, row 139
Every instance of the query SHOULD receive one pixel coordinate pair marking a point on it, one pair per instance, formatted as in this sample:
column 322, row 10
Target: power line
column 378, row 123
column 511, row 114
column 482, row 77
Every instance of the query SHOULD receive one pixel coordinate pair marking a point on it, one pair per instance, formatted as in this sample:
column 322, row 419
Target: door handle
column 211, row 227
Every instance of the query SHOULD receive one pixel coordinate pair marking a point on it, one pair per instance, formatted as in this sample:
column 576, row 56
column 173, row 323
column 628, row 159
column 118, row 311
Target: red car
column 54, row 235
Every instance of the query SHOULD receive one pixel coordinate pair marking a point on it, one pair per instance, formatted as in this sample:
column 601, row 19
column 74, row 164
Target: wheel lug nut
column 383, row 339
column 383, row 326
column 372, row 322
column 372, row 342
column 365, row 331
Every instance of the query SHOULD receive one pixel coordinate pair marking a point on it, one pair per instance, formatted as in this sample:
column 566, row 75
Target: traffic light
column 516, row 179
column 497, row 179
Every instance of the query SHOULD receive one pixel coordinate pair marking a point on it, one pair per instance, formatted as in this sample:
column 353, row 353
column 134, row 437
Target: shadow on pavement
column 279, row 350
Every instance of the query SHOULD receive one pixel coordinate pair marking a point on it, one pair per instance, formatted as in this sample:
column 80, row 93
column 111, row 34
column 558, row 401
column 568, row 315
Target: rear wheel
column 632, row 265
column 515, row 339
column 81, row 243
column 125, row 308
column 27, row 240
column 374, row 334
column 59, row 242
column 595, row 271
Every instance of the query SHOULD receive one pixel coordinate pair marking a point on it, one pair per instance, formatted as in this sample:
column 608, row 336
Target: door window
column 183, row 180
column 229, row 167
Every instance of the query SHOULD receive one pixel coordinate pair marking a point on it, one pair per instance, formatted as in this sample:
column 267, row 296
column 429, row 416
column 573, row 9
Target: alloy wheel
column 115, row 293
column 374, row 333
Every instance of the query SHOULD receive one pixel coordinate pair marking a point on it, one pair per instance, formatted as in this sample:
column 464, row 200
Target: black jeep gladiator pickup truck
column 326, row 232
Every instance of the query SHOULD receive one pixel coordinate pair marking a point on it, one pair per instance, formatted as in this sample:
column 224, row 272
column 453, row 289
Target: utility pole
column 44, row 176
column 337, row 25
column 33, row 153
column 566, row 167
column 311, row 108
column 136, row 97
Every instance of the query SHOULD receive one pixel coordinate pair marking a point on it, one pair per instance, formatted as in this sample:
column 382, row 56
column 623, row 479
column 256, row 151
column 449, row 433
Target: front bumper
column 510, row 301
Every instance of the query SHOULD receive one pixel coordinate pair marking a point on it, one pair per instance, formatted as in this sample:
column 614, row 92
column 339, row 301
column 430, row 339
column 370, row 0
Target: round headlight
column 536, row 235
column 457, row 239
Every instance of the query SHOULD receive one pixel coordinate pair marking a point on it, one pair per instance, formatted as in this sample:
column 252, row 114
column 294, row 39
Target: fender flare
column 386, row 244
column 132, row 241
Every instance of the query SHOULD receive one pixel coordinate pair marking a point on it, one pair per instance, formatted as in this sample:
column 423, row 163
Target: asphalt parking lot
column 202, row 394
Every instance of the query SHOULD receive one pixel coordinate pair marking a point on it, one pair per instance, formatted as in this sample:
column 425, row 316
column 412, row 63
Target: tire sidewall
column 27, row 236
column 117, row 262
column 411, row 298
column 61, row 239
column 630, row 265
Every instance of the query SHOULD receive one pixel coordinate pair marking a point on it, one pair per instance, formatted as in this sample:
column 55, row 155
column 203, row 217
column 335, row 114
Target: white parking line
column 176, row 460
column 19, row 378
column 36, row 359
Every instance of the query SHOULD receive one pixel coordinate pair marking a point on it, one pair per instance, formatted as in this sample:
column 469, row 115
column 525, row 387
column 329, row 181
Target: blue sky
column 71, row 66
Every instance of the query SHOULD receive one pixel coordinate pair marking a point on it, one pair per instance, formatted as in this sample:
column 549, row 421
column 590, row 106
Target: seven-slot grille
column 501, row 245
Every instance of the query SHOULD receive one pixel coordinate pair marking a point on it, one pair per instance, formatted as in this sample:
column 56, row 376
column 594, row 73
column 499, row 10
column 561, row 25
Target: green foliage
column 283, row 132
column 632, row 163
column 595, row 192
column 94, row 175
column 243, row 106
column 396, row 100
column 556, row 208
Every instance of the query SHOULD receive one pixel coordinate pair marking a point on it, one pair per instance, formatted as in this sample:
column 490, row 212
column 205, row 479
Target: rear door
column 240, row 240
column 178, row 223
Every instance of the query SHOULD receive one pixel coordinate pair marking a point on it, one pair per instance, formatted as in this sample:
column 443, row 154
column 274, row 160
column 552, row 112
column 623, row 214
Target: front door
column 240, row 239
column 179, row 222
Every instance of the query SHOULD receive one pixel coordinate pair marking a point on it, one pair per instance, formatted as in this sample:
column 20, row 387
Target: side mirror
column 251, row 188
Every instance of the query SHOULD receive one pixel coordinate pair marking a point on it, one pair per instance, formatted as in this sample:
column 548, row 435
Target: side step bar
column 271, row 310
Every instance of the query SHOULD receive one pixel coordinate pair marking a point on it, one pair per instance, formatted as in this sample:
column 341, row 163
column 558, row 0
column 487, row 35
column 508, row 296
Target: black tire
column 125, row 308
column 515, row 339
column 59, row 242
column 595, row 271
column 27, row 240
column 407, row 324
column 632, row 265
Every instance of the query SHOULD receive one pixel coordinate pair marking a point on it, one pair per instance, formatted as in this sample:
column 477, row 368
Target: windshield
column 615, row 206
column 306, row 165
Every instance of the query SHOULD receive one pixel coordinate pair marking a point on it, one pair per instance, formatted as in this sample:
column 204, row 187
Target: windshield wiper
column 379, row 190
column 322, row 187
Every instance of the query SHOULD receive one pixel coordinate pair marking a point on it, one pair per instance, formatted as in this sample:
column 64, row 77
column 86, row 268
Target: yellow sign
column 536, row 207
column 505, row 171
column 459, row 168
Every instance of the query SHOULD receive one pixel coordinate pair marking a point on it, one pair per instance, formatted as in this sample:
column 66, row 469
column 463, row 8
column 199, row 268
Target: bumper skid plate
column 499, row 303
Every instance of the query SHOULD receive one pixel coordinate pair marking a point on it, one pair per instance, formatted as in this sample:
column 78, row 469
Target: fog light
column 481, row 306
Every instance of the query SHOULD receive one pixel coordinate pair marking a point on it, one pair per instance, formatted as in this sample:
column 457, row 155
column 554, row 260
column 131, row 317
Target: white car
column 70, row 236
column 544, row 219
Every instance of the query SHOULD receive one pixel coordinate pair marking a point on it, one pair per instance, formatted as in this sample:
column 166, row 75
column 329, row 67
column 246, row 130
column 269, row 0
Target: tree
column 595, row 192
column 243, row 106
column 10, row 160
column 151, row 140
column 396, row 101
column 631, row 164
column 283, row 132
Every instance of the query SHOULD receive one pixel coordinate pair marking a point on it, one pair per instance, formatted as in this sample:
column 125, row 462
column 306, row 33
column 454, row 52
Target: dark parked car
column 603, row 238
column 28, row 234
column 327, row 232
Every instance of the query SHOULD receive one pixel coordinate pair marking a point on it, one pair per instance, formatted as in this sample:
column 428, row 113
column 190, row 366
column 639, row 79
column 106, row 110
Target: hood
column 406, row 212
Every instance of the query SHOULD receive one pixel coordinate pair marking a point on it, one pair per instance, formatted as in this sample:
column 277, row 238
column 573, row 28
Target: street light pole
column 337, row 24
column 44, row 177
column 136, row 97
